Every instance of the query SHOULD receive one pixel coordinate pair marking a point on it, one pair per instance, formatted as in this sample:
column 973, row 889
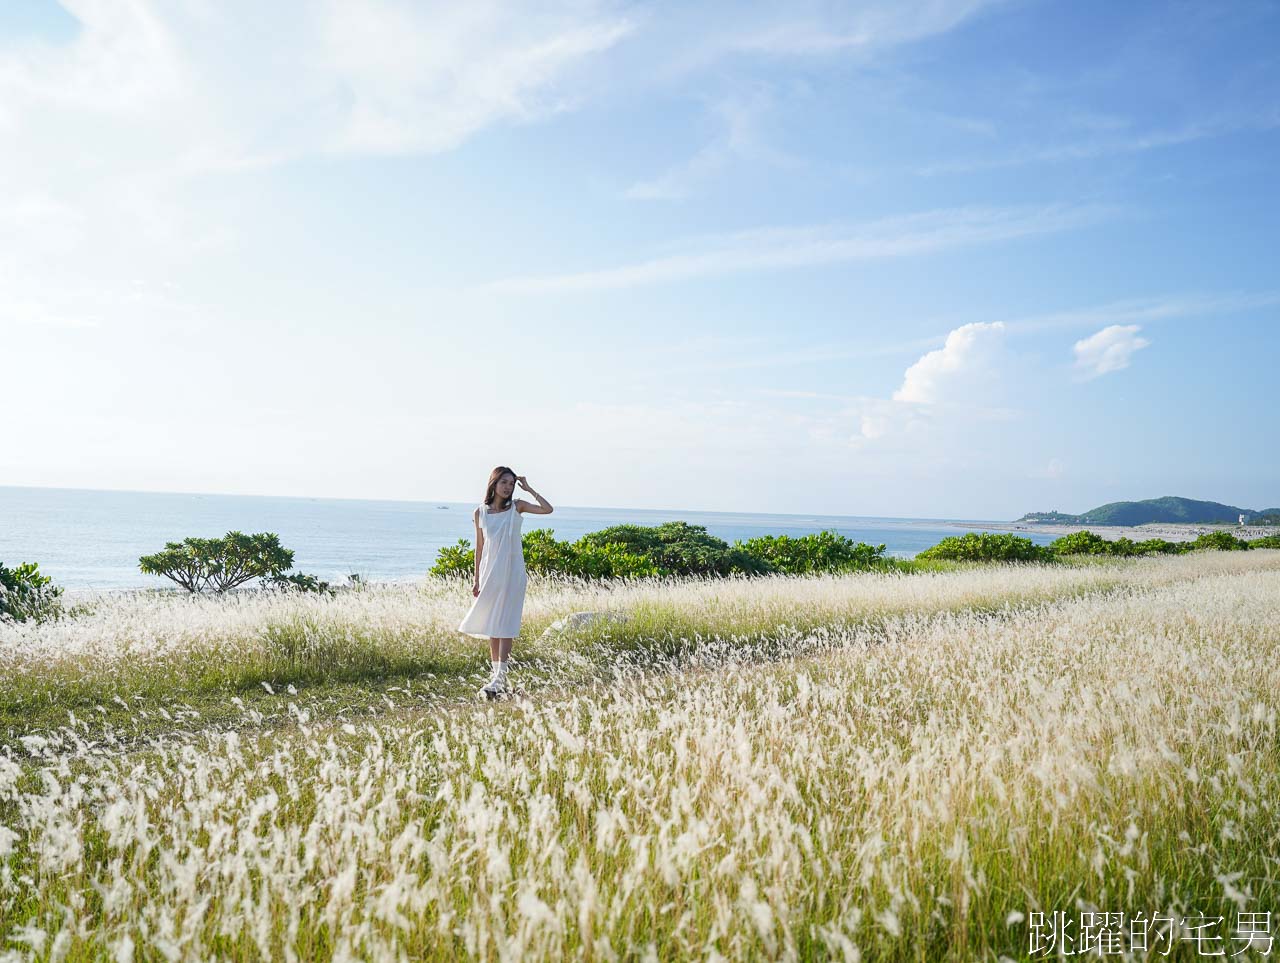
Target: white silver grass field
column 859, row 767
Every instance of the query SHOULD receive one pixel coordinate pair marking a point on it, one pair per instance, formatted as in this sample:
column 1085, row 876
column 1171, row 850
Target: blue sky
column 944, row 259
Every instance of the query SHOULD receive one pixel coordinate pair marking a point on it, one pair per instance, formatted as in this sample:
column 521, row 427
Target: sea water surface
column 91, row 540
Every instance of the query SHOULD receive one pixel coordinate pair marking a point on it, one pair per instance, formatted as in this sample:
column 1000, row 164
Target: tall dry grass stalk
column 991, row 744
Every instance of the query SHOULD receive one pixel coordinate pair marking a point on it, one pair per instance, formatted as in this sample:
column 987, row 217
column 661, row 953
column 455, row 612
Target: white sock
column 503, row 666
column 497, row 669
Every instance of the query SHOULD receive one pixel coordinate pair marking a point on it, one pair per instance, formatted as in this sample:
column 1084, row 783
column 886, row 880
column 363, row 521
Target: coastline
column 1169, row 531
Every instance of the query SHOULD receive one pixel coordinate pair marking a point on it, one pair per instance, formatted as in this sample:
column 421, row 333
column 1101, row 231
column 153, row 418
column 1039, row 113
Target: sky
column 945, row 258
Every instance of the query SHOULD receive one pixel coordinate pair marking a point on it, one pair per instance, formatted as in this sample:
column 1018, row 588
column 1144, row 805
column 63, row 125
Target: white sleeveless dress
column 496, row 611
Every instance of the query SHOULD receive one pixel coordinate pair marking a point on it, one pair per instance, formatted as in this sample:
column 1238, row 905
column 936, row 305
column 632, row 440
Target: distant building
column 1242, row 518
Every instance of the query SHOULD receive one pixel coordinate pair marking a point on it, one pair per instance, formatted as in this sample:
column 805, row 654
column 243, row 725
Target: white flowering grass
column 958, row 751
column 177, row 653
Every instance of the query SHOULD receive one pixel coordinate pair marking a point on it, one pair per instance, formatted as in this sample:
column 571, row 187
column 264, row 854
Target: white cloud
column 947, row 403
column 1088, row 150
column 1141, row 309
column 957, row 368
column 696, row 37
column 1148, row 310
column 114, row 144
column 424, row 79
column 741, row 117
column 945, row 408
column 887, row 425
column 1108, row 350
column 920, row 233
column 677, row 181
column 250, row 83
column 808, row 29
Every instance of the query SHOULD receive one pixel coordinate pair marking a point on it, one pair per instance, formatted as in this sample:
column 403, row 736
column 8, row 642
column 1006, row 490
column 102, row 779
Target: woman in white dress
column 500, row 579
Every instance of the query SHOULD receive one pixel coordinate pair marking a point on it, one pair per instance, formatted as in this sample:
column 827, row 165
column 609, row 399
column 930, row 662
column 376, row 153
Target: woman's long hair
column 494, row 477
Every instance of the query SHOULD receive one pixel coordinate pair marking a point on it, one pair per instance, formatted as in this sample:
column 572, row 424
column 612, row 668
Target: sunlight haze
column 962, row 259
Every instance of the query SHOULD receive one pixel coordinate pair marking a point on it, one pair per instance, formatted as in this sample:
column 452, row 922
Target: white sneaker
column 496, row 685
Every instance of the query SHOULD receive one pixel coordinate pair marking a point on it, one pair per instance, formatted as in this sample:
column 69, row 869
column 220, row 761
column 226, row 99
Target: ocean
column 91, row 540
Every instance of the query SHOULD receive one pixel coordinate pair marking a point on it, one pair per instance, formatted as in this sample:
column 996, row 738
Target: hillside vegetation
column 1169, row 509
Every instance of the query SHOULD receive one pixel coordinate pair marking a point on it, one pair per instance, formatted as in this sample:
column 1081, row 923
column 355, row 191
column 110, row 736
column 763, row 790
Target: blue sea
column 91, row 540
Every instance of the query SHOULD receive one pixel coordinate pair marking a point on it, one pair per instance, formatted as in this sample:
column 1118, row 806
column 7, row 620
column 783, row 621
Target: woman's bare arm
column 542, row 508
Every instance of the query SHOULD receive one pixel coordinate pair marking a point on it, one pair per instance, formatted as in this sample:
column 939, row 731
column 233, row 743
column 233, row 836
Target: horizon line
column 699, row 511
column 421, row 501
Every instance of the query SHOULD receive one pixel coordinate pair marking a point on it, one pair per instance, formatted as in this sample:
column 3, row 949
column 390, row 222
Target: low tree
column 26, row 595
column 199, row 564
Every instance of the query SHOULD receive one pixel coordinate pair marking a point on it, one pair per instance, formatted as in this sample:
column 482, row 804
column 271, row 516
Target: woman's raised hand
column 522, row 483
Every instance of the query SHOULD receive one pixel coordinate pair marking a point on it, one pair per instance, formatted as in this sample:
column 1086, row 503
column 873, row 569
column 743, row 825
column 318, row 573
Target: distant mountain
column 1170, row 508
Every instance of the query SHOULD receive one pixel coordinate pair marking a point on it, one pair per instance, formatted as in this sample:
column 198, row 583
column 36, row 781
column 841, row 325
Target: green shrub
column 1124, row 547
column 987, row 547
column 634, row 539
column 622, row 551
column 585, row 558
column 25, row 594
column 1087, row 543
column 610, row 561
column 545, row 554
column 1266, row 541
column 220, row 564
column 1158, row 546
column 678, row 548
column 825, row 551
column 455, row 560
column 1220, row 541
column 1084, row 543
